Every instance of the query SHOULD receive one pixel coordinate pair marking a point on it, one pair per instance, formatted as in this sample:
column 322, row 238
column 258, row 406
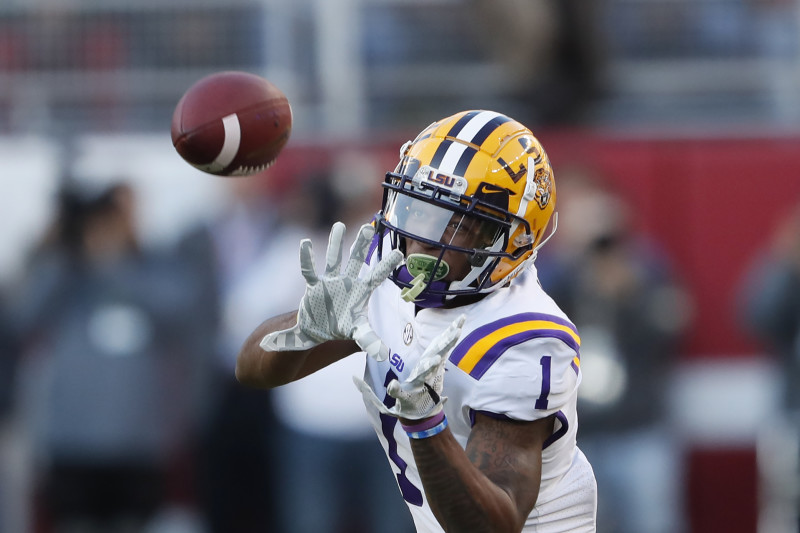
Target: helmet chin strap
column 550, row 235
column 527, row 196
column 418, row 284
column 477, row 270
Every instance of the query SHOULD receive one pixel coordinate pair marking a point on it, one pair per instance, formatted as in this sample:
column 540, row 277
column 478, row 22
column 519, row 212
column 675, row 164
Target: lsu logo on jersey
column 396, row 361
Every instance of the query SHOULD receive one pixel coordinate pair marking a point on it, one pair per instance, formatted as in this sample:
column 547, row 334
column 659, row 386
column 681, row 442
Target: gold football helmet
column 477, row 183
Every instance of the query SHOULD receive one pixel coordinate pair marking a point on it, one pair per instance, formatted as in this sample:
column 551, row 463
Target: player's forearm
column 264, row 369
column 460, row 495
column 257, row 367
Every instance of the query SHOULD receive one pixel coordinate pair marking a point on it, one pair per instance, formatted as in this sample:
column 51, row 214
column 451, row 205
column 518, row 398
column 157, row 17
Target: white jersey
column 518, row 357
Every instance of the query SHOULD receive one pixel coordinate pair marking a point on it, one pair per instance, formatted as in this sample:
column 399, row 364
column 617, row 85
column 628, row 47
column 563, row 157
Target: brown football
column 231, row 124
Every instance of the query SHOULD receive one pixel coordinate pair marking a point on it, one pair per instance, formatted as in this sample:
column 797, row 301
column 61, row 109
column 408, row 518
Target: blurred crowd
column 770, row 310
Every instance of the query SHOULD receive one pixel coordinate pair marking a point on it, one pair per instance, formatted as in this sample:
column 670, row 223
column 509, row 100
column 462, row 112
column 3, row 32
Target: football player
column 472, row 370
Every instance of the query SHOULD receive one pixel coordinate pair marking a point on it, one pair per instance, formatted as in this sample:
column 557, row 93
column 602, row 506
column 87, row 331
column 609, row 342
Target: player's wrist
column 428, row 427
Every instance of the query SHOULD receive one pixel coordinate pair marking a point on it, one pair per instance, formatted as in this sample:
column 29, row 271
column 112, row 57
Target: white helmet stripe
column 471, row 129
column 452, row 157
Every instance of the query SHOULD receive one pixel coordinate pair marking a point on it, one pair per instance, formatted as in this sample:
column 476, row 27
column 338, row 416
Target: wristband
column 430, row 427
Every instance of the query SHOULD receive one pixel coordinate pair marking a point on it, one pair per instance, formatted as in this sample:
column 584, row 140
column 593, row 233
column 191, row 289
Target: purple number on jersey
column 541, row 402
column 411, row 494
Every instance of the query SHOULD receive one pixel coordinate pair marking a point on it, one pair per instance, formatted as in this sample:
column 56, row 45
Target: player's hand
column 334, row 305
column 420, row 395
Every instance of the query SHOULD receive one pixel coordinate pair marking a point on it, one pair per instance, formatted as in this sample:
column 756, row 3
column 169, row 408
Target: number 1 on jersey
column 541, row 401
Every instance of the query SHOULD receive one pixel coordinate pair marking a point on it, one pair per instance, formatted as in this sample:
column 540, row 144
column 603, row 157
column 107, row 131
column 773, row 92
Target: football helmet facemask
column 477, row 183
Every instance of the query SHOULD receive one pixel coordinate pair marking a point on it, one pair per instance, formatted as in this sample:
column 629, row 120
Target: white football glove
column 420, row 395
column 334, row 305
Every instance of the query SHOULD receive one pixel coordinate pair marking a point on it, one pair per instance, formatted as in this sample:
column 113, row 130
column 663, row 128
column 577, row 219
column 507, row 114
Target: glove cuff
column 428, row 428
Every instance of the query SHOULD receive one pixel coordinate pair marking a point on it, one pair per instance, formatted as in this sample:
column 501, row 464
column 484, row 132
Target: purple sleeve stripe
column 494, row 353
column 483, row 331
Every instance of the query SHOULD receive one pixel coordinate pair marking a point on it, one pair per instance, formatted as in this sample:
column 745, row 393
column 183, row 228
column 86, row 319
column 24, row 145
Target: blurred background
column 128, row 280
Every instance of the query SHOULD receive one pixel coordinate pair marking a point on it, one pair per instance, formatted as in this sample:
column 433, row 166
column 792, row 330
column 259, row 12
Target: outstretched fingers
column 447, row 340
column 384, row 268
column 358, row 252
column 307, row 267
column 333, row 256
column 425, row 368
column 435, row 355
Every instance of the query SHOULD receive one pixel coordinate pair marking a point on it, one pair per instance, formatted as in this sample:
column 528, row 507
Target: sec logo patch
column 408, row 334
